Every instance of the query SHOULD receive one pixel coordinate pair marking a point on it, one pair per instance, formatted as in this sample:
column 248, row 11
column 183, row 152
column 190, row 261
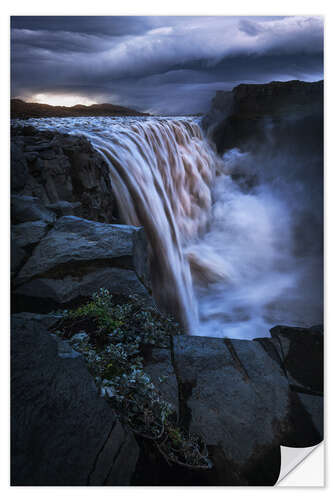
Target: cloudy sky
column 158, row 64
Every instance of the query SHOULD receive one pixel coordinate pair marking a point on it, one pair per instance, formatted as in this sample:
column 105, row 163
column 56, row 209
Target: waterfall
column 162, row 172
column 225, row 235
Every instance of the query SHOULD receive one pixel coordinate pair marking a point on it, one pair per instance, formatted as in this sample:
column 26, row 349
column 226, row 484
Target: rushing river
column 223, row 257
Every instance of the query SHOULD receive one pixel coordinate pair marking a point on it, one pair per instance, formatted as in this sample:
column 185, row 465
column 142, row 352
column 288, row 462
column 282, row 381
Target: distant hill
column 22, row 109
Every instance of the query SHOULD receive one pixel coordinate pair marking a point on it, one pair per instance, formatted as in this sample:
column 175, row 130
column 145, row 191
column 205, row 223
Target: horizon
column 155, row 114
column 158, row 65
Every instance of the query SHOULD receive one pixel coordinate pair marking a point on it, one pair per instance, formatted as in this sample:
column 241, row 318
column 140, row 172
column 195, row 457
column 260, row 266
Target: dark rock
column 78, row 257
column 236, row 394
column 62, row 433
column 141, row 259
column 17, row 256
column 62, row 208
column 82, row 283
column 314, row 405
column 301, row 350
column 28, row 208
column 29, row 233
column 238, row 119
column 19, row 170
column 73, row 240
column 59, row 168
column 161, row 371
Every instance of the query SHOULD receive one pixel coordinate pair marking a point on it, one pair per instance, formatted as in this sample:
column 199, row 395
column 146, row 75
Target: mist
column 265, row 235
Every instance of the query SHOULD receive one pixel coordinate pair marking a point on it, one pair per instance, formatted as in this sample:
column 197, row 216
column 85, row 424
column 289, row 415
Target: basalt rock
column 58, row 169
column 62, row 432
column 237, row 395
column 76, row 257
column 244, row 117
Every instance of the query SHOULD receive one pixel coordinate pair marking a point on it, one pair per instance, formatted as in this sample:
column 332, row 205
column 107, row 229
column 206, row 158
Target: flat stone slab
column 74, row 240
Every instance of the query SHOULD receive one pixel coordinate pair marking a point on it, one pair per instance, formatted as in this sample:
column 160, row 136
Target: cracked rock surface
column 62, row 432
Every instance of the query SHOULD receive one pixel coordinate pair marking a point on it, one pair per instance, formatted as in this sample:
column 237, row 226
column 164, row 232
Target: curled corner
column 291, row 458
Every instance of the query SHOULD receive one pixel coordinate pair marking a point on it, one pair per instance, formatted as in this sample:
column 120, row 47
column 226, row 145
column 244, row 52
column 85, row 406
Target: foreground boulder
column 237, row 394
column 62, row 432
column 77, row 257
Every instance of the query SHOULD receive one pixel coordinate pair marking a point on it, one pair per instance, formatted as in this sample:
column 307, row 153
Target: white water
column 222, row 257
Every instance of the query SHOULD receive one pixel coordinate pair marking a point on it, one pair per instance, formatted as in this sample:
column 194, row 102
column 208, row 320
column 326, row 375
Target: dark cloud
column 100, row 25
column 161, row 64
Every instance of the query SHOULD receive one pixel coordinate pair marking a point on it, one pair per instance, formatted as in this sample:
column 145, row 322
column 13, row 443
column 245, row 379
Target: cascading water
column 218, row 261
column 162, row 173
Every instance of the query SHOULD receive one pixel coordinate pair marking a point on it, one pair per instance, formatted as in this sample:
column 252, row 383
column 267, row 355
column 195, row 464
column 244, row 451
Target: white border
column 143, row 7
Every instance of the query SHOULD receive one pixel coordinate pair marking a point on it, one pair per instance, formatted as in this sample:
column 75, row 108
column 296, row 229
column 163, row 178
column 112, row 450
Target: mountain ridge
column 22, row 109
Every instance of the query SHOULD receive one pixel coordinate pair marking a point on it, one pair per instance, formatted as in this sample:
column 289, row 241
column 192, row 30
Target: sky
column 160, row 65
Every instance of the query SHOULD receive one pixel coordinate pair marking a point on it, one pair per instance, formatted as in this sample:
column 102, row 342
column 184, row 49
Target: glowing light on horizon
column 61, row 99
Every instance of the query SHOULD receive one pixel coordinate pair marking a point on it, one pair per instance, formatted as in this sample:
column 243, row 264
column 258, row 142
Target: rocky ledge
column 64, row 175
column 64, row 245
column 244, row 398
column 245, row 117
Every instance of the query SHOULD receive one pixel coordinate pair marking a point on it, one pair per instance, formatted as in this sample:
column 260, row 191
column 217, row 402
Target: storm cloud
column 158, row 64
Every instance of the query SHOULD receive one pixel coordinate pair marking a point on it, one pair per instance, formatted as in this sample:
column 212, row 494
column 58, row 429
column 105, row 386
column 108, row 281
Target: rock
column 83, row 284
column 29, row 233
column 73, row 242
column 78, row 257
column 17, row 257
column 141, row 257
column 62, row 433
column 301, row 350
column 161, row 371
column 19, row 168
column 238, row 119
column 65, row 208
column 58, row 168
column 28, row 208
column 314, row 406
column 237, row 396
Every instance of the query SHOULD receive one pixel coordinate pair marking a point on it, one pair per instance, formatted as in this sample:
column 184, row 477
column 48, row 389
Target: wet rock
column 62, row 432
